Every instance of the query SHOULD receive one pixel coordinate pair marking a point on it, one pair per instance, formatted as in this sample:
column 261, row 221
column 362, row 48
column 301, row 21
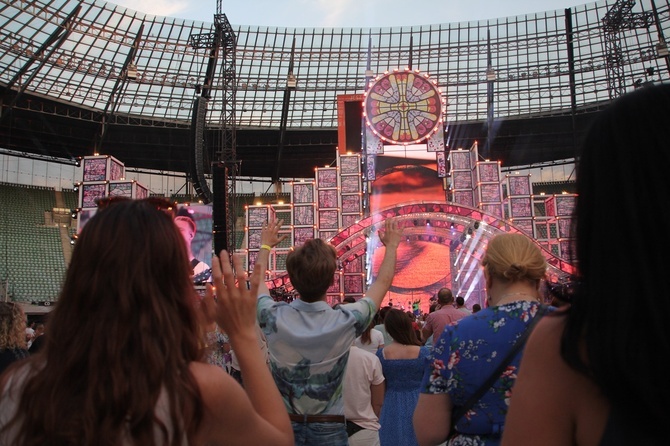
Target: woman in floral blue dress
column 468, row 352
column 402, row 364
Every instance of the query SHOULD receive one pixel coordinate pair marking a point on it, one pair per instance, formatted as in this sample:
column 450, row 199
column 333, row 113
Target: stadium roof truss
column 142, row 70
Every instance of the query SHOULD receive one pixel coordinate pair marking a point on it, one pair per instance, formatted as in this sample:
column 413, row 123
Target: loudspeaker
column 220, row 208
column 197, row 168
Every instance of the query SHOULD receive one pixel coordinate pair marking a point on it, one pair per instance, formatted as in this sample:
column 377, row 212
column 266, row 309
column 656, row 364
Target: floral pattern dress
column 464, row 357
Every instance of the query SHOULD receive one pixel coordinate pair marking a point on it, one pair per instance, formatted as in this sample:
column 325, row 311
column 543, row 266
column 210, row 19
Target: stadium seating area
column 32, row 244
column 33, row 259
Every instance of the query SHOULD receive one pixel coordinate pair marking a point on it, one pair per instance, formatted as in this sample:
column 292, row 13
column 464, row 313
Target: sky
column 346, row 13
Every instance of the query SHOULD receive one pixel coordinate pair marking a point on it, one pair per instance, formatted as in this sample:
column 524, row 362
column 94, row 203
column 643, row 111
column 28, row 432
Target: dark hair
column 476, row 308
column 444, row 296
column 311, row 268
column 383, row 312
column 620, row 188
column 123, row 332
column 399, row 327
column 460, row 301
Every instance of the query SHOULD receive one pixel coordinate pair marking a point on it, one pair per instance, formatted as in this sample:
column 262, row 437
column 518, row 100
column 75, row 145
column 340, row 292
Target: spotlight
column 73, row 239
column 427, row 222
column 73, row 213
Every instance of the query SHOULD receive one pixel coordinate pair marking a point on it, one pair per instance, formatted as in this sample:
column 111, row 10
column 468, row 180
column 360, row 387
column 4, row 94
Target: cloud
column 170, row 8
column 334, row 13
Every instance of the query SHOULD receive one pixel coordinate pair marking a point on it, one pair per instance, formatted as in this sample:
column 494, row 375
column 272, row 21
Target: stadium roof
column 65, row 75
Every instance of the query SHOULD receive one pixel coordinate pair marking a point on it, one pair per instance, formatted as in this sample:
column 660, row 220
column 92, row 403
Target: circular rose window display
column 403, row 107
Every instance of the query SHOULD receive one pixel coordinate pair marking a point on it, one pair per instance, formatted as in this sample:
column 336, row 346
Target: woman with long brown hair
column 402, row 364
column 121, row 364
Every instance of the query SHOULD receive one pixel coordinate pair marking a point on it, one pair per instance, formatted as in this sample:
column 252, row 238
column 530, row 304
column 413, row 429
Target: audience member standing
column 30, row 333
column 440, row 318
column 595, row 374
column 363, row 397
column 460, row 305
column 371, row 339
column 13, row 345
column 468, row 352
column 124, row 368
column 379, row 321
column 403, row 364
column 38, row 340
column 308, row 340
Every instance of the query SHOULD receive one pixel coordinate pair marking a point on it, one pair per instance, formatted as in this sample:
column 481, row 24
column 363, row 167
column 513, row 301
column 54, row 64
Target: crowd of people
column 134, row 356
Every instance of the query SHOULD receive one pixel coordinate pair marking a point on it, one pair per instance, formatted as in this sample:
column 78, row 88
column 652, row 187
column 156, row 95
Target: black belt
column 299, row 418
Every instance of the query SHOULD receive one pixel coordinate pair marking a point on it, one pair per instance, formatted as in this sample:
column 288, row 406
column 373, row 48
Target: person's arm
column 269, row 239
column 234, row 309
column 546, row 392
column 432, row 418
column 377, row 397
column 391, row 239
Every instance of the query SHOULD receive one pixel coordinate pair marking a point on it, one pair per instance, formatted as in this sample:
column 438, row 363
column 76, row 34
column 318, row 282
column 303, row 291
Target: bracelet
column 268, row 247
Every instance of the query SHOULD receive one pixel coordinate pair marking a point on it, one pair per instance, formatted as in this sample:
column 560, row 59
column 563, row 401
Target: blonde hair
column 12, row 326
column 513, row 258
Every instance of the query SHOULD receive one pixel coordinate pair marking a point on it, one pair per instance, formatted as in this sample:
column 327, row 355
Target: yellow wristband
column 268, row 247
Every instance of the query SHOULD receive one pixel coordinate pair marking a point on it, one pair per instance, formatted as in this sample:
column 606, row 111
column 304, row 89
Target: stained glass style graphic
column 403, row 107
column 303, row 193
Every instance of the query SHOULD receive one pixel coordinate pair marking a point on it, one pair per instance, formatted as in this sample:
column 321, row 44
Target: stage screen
column 201, row 244
column 407, row 174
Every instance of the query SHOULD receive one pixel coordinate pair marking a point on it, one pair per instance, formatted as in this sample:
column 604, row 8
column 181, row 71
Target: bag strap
column 462, row 410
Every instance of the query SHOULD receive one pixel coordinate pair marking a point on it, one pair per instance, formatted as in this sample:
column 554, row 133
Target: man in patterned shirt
column 308, row 340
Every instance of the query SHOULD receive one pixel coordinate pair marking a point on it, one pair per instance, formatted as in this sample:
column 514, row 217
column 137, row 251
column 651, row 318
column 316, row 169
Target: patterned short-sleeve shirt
column 309, row 347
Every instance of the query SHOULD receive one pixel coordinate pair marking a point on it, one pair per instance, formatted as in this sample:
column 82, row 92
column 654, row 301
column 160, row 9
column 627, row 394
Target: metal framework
column 222, row 39
column 534, row 75
column 448, row 221
column 617, row 20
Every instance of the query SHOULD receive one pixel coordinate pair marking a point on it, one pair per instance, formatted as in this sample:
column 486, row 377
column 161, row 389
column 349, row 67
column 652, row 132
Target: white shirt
column 376, row 341
column 363, row 370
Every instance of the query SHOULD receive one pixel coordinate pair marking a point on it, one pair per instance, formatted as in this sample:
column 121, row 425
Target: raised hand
column 270, row 233
column 229, row 301
column 392, row 234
